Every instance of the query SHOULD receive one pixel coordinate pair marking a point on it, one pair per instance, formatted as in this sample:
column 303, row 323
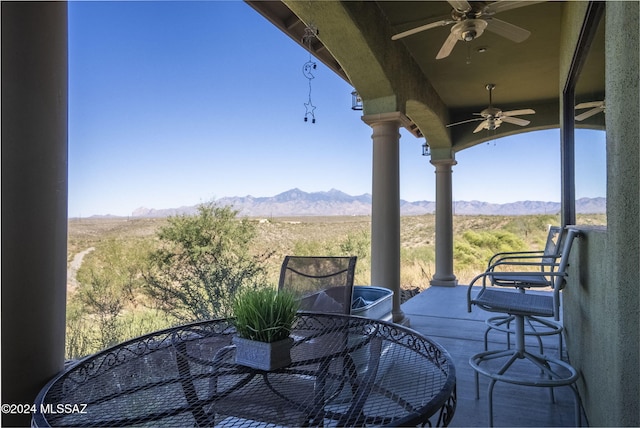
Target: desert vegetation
column 145, row 274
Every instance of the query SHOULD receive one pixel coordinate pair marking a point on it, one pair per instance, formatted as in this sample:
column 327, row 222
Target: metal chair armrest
column 512, row 254
column 526, row 261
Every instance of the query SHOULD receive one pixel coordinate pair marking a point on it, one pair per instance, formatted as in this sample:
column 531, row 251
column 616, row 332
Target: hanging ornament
column 309, row 107
column 310, row 34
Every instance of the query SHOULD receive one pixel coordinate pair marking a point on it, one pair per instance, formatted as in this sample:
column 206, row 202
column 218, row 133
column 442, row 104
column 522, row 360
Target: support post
column 385, row 212
column 444, row 224
column 34, row 199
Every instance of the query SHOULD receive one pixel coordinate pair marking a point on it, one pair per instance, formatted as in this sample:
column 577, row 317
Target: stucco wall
column 587, row 309
column 602, row 299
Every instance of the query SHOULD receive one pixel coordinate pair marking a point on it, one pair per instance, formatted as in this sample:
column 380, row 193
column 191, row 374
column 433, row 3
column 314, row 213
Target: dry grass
column 283, row 236
column 87, row 232
column 327, row 236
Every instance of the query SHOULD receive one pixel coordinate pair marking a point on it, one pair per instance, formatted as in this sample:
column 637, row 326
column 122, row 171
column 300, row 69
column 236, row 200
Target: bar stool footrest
column 553, row 378
column 548, row 377
column 501, row 323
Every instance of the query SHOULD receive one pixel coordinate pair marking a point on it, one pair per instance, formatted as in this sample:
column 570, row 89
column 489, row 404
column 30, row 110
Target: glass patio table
column 345, row 371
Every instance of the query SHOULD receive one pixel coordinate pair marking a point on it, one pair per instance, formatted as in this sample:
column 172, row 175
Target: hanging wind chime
column 310, row 33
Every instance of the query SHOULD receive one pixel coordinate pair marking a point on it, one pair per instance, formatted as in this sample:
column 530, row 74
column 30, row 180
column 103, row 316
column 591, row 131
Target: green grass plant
column 264, row 314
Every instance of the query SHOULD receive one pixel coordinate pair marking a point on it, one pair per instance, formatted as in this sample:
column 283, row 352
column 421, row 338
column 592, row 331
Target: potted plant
column 263, row 321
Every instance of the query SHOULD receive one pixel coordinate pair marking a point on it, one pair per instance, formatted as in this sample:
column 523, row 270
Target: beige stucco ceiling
column 354, row 40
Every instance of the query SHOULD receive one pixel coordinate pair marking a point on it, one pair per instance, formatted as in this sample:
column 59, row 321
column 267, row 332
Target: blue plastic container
column 372, row 302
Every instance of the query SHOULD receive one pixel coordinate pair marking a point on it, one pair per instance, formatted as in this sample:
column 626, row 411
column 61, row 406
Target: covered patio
column 577, row 52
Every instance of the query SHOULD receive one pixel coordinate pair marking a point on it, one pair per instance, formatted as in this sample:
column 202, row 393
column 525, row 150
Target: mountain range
column 296, row 202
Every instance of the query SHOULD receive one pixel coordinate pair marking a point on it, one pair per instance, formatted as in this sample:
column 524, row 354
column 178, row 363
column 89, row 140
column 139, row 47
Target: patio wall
column 601, row 322
column 587, row 330
column 602, row 299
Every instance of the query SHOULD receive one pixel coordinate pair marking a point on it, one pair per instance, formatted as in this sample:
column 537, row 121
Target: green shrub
column 472, row 250
column 202, row 262
column 108, row 282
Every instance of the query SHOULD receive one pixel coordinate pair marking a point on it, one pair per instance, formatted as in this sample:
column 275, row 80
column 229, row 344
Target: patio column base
column 401, row 319
column 444, row 282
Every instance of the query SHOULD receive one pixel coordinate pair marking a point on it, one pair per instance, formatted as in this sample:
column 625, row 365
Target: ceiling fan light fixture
column 467, row 36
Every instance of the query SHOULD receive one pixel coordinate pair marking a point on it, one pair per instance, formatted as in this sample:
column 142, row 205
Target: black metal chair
column 551, row 372
column 323, row 284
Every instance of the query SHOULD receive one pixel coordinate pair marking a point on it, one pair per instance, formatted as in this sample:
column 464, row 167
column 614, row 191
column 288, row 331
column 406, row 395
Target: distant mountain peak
column 291, row 194
column 335, row 192
column 334, row 202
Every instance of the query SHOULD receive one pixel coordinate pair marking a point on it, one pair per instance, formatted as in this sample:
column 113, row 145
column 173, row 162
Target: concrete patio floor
column 440, row 313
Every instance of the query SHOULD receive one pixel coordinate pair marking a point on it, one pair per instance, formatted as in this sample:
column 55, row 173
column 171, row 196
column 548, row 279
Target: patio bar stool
column 549, row 372
column 545, row 260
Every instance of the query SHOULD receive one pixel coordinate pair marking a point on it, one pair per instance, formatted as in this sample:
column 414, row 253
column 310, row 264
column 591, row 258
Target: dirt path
column 72, row 270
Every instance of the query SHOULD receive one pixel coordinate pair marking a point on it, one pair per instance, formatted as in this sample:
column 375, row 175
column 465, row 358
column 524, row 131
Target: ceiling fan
column 470, row 20
column 492, row 117
column 595, row 106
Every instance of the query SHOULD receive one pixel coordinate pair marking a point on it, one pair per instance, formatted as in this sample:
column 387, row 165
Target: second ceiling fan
column 594, row 107
column 492, row 117
column 470, row 20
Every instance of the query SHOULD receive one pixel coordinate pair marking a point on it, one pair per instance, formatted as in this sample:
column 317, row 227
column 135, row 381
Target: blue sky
column 177, row 103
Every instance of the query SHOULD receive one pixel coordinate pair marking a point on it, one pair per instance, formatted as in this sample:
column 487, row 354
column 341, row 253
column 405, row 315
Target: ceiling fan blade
column 506, row 30
column 465, row 121
column 425, row 27
column 460, row 5
column 518, row 112
column 515, row 120
column 483, row 125
column 589, row 105
column 502, row 5
column 447, row 46
column 589, row 113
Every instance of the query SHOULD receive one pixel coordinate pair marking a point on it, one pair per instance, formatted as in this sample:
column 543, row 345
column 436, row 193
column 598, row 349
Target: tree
column 202, row 262
column 105, row 301
column 107, row 284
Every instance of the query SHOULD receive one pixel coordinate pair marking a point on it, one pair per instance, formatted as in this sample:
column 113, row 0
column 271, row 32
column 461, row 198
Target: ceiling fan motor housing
column 490, row 112
column 469, row 29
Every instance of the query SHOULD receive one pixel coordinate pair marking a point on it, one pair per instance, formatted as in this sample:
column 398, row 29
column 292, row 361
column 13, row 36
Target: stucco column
column 618, row 388
column 385, row 211
column 444, row 224
column 34, row 199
